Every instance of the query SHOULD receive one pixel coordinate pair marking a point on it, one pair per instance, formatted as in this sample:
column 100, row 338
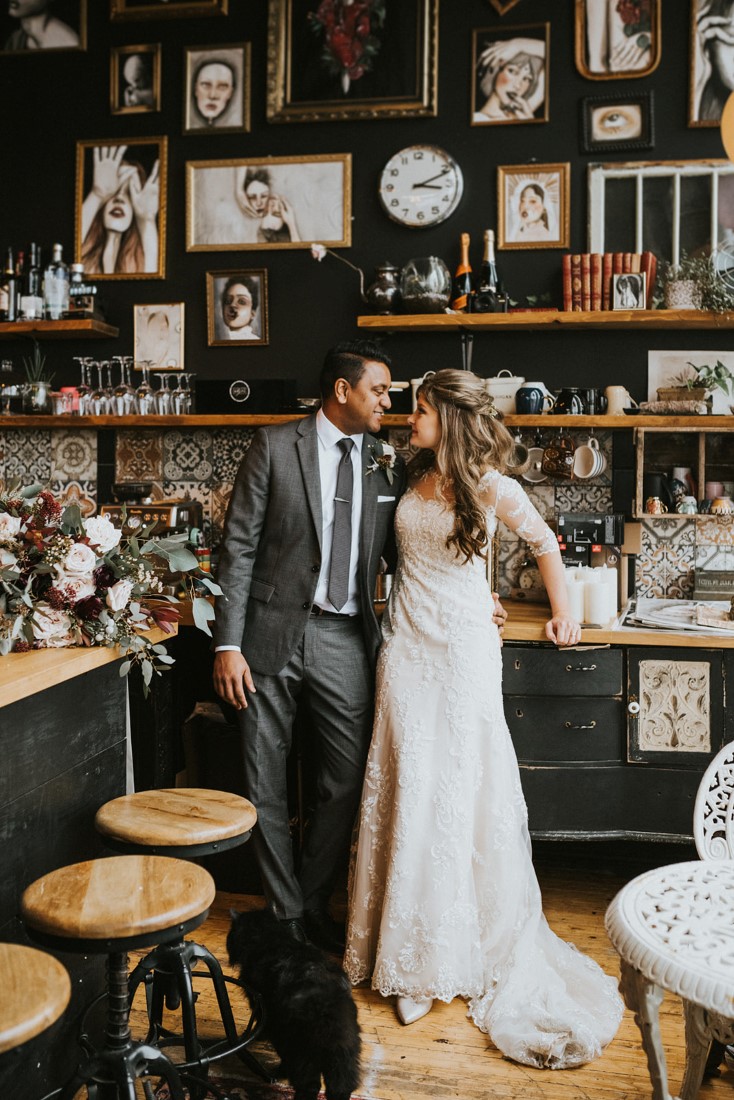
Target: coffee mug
column 531, row 398
column 589, row 460
column 618, row 399
column 595, row 401
column 558, row 457
column 687, row 506
column 569, row 402
column 655, row 507
column 713, row 489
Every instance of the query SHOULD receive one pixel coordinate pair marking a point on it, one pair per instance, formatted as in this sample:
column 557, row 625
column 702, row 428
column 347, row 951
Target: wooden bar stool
column 112, row 906
column 185, row 822
column 35, row 992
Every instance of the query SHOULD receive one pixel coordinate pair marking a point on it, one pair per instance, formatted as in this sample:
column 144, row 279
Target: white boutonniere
column 382, row 459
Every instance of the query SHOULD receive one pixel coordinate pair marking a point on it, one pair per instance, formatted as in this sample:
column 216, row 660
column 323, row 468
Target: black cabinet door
column 545, row 670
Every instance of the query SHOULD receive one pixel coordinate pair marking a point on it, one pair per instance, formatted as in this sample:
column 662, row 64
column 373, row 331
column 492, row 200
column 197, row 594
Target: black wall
column 48, row 101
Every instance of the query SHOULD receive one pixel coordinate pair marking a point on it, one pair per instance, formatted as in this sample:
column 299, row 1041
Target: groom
column 310, row 517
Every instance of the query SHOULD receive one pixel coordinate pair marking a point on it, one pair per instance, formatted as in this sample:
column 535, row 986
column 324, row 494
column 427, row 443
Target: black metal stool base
column 167, row 974
column 111, row 1074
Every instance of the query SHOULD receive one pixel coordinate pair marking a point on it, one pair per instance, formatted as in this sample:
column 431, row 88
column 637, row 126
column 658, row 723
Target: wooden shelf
column 550, row 320
column 515, row 420
column 85, row 328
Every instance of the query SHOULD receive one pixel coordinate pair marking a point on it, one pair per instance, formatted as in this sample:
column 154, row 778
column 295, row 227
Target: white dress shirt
column 330, row 455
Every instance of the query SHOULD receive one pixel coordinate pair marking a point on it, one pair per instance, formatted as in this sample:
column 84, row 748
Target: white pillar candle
column 575, row 593
column 609, row 579
column 596, row 602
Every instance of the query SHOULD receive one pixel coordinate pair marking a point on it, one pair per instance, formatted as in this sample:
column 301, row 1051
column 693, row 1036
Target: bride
column 444, row 901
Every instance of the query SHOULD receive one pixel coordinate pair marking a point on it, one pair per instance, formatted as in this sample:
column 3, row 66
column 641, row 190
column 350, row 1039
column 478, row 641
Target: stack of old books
column 587, row 277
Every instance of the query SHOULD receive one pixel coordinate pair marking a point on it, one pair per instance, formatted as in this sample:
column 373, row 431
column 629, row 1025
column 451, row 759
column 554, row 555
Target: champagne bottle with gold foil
column 462, row 288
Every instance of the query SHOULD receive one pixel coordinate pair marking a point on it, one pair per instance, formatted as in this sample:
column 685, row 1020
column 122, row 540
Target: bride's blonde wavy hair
column 473, row 440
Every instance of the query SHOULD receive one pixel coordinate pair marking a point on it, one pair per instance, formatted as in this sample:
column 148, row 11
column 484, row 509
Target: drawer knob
column 590, row 726
column 580, row 668
column 633, row 707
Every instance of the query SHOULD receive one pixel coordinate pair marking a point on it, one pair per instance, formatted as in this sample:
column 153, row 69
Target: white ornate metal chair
column 673, row 929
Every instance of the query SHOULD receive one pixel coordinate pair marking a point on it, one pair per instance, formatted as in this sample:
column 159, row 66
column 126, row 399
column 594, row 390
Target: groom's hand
column 499, row 615
column 231, row 676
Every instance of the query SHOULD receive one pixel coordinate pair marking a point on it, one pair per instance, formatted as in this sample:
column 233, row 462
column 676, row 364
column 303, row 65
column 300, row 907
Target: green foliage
column 713, row 378
column 35, row 366
column 715, row 295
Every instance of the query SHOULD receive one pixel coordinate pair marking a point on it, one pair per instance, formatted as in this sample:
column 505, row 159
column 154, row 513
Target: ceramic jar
column 384, row 294
column 683, row 294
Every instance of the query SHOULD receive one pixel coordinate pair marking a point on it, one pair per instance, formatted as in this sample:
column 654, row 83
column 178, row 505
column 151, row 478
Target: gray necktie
column 341, row 543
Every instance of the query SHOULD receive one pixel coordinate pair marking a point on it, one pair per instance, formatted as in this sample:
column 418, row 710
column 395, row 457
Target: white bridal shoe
column 410, row 1009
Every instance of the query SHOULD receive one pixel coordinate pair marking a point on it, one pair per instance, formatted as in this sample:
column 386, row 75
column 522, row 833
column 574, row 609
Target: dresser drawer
column 566, row 730
column 550, row 671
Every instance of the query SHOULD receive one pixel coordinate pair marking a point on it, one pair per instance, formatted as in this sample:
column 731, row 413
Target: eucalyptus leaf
column 203, row 614
column 125, row 667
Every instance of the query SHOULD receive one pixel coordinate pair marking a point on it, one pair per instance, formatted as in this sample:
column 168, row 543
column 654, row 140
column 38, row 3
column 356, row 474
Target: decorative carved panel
column 675, row 706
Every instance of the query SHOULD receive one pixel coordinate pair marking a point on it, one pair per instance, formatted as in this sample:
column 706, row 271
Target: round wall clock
column 420, row 186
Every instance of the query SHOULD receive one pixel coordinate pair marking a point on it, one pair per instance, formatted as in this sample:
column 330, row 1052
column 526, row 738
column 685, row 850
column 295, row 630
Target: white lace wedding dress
column 444, row 901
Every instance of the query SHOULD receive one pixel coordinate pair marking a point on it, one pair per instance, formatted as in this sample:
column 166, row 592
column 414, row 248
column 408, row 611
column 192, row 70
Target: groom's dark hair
column 347, row 360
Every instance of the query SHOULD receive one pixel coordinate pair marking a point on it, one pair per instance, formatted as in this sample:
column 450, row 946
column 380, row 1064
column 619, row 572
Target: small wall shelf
column 85, row 328
column 550, row 320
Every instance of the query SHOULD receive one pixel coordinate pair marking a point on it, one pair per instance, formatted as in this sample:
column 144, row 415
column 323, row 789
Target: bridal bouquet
column 68, row 581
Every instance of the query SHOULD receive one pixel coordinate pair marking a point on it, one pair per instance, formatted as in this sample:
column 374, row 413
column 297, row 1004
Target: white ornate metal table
column 674, row 929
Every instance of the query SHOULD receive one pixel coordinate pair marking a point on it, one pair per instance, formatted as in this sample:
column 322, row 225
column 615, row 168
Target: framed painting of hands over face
column 617, row 39
column 121, row 207
column 712, row 60
column 509, row 67
column 237, row 308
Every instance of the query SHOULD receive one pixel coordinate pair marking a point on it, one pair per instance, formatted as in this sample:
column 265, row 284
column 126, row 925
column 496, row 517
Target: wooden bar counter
column 63, row 740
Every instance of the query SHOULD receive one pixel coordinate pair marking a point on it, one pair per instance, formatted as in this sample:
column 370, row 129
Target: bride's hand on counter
column 499, row 615
column 563, row 630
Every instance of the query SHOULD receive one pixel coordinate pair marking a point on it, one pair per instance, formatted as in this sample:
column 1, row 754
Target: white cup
column 618, row 399
column 588, row 459
column 415, row 385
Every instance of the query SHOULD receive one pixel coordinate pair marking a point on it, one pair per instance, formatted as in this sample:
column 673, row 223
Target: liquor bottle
column 9, row 290
column 30, row 306
column 82, row 295
column 56, row 287
column 491, row 296
column 462, row 289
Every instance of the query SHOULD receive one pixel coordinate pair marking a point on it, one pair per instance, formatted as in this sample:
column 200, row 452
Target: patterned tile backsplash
column 202, row 464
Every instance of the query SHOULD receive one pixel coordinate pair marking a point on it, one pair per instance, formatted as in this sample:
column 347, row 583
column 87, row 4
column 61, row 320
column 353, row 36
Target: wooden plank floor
column 445, row 1056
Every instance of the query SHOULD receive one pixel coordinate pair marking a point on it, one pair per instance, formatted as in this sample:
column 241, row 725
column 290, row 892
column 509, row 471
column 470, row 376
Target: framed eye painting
column 135, row 79
column 533, row 206
column 615, row 123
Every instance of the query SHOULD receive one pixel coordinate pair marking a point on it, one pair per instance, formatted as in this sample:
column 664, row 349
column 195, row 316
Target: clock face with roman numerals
column 420, row 186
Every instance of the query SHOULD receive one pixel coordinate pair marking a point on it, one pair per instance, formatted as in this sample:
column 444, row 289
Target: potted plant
column 713, row 378
column 695, row 283
column 37, row 388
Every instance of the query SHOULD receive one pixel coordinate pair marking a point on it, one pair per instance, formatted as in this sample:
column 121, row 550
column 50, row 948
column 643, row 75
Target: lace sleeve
column 513, row 507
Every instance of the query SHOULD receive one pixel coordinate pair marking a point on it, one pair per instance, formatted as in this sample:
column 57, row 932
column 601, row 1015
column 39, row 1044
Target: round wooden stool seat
column 119, row 898
column 178, row 819
column 36, row 990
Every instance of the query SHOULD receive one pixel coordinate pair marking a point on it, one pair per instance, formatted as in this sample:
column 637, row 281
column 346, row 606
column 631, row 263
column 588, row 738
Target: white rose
column 318, row 251
column 9, row 526
column 7, row 559
column 388, row 451
column 118, row 595
column 78, row 563
column 102, row 533
column 51, row 627
column 78, row 588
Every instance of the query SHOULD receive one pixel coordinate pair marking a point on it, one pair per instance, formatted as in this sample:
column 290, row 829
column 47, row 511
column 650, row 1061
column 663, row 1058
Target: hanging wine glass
column 144, row 392
column 163, row 396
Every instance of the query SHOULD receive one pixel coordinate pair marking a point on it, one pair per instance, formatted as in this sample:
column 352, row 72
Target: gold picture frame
column 217, row 102
column 533, row 206
column 152, row 9
column 269, row 203
column 521, row 49
column 503, row 6
column 135, row 246
column 64, row 30
column 158, row 335
column 228, row 323
column 602, row 38
column 396, row 77
column 135, row 79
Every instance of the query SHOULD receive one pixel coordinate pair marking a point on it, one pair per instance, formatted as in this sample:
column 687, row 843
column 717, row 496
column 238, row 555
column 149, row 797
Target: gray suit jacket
column 271, row 553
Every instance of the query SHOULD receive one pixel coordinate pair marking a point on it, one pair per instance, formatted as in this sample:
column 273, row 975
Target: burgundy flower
column 57, row 598
column 104, row 577
column 21, row 647
column 88, row 608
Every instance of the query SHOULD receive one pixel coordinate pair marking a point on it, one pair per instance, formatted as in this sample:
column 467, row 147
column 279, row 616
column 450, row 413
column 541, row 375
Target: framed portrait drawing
column 278, row 202
column 135, row 79
column 710, row 78
column 329, row 61
column 509, row 74
column 120, row 230
column 163, row 9
column 237, row 308
column 217, row 98
column 158, row 335
column 614, row 123
column 617, row 41
column 629, row 291
column 533, row 206
column 49, row 25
